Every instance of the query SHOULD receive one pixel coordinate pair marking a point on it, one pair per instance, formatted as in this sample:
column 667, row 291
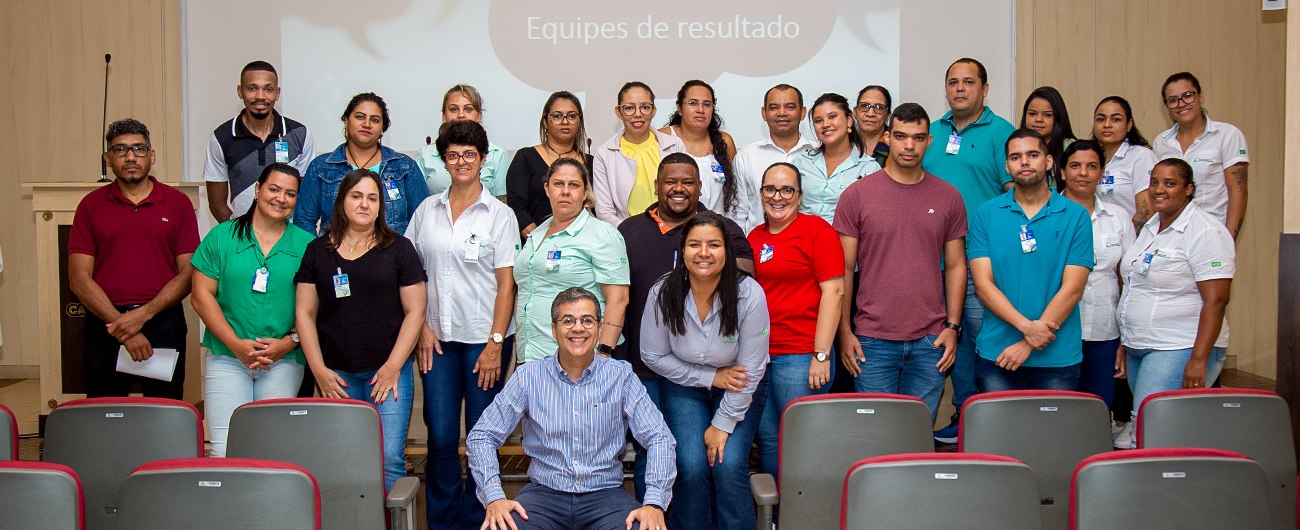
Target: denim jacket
column 320, row 185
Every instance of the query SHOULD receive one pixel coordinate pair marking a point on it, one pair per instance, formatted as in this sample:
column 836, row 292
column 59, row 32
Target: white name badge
column 390, row 188
column 1027, row 242
column 282, row 152
column 765, row 253
column 954, row 144
column 553, row 260
column 471, row 249
column 260, row 277
column 1107, row 185
column 342, row 288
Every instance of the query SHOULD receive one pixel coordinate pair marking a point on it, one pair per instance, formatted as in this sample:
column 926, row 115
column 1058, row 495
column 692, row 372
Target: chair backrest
column 1051, row 431
column 8, row 434
column 1254, row 423
column 940, row 490
column 1169, row 488
column 339, row 441
column 219, row 493
column 103, row 439
column 40, row 496
column 821, row 436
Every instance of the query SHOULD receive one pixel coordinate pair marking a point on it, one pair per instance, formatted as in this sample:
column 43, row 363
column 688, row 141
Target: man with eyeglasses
column 576, row 407
column 968, row 151
column 897, row 226
column 129, row 263
column 242, row 147
column 783, row 111
column 656, row 234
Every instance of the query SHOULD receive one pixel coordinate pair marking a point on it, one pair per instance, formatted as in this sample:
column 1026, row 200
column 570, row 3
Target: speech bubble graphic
column 350, row 17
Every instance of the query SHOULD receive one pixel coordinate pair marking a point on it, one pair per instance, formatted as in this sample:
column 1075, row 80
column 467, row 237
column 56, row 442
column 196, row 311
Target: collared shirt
column 1220, row 147
column 821, row 191
column 492, row 174
column 135, row 245
column 574, row 431
column 613, row 174
column 1063, row 235
column 692, row 359
column 1161, row 309
column 1112, row 234
column 320, row 186
column 235, row 263
column 749, row 164
column 1130, row 169
column 237, row 156
column 460, row 260
column 979, row 169
column 591, row 253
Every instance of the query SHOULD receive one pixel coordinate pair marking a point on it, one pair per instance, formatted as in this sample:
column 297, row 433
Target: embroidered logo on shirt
column 1216, row 264
column 624, row 260
column 1207, row 160
column 164, row 219
column 1241, row 152
column 764, row 331
column 931, row 210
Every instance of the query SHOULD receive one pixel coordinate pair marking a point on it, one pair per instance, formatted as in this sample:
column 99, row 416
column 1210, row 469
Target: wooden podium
column 59, row 313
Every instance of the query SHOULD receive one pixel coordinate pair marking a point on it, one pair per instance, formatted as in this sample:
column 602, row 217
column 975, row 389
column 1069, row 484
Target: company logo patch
column 1216, row 264
column 764, row 331
column 1241, row 152
column 624, row 260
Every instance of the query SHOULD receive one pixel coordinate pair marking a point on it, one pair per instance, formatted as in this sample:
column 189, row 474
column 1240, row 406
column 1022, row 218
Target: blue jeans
column 638, row 466
column 1151, row 371
column 963, row 369
column 994, row 378
column 1097, row 376
column 718, row 496
column 394, row 416
column 908, row 367
column 227, row 384
column 550, row 509
column 788, row 377
column 451, row 502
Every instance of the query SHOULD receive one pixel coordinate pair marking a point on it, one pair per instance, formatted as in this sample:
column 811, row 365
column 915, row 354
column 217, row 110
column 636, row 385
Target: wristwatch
column 497, row 338
column 294, row 337
column 821, row 356
column 954, row 327
column 605, row 349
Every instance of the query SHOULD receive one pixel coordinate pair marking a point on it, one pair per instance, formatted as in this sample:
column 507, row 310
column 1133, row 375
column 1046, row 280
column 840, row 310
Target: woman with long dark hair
column 699, row 126
column 707, row 334
column 1045, row 113
column 564, row 135
column 840, row 160
column 1128, row 161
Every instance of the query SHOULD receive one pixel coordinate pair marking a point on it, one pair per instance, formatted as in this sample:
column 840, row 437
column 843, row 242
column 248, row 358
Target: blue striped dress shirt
column 574, row 432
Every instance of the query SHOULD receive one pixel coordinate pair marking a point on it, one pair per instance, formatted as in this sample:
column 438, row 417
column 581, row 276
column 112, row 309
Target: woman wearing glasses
column 840, row 160
column 800, row 264
column 563, row 136
column 699, row 127
column 623, row 170
column 1215, row 150
column 463, row 103
column 872, row 113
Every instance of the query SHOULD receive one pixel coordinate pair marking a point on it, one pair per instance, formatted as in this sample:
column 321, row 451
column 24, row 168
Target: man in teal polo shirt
column 968, row 150
column 1030, row 253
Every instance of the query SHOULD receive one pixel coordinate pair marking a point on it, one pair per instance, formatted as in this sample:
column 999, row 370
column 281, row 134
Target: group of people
column 667, row 284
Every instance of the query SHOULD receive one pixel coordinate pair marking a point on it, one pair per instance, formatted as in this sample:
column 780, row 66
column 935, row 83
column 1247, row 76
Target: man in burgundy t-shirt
column 904, row 230
column 129, row 263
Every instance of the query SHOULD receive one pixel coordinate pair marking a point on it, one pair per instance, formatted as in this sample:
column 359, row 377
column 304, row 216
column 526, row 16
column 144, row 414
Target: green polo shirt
column 979, row 169
column 234, row 263
column 592, row 252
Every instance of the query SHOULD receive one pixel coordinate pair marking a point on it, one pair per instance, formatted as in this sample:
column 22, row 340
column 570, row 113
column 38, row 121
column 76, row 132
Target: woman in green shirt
column 244, row 292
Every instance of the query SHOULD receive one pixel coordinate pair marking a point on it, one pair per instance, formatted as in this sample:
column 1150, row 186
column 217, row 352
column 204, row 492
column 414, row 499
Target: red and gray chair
column 1254, row 423
column 821, row 436
column 1169, row 488
column 1051, row 431
column 40, row 496
column 219, row 493
column 8, row 434
column 341, row 442
column 103, row 439
column 943, row 490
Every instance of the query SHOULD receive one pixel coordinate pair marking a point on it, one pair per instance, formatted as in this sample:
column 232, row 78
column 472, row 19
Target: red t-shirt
column 134, row 245
column 901, row 230
column 803, row 255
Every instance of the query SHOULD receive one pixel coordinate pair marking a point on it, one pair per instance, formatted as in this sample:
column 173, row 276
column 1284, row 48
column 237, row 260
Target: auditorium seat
column 8, row 434
column 40, row 496
column 103, row 439
column 1169, row 488
column 821, row 436
column 945, row 490
column 341, row 443
column 1051, row 431
column 1254, row 423
column 219, row 493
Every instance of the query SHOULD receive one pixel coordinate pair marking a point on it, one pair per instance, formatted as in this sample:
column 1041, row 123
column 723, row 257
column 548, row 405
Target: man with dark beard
column 653, row 238
column 259, row 136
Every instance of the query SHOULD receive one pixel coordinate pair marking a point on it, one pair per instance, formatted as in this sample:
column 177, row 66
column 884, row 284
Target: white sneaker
column 1126, row 438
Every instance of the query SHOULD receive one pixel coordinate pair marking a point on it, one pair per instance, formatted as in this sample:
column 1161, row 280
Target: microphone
column 103, row 164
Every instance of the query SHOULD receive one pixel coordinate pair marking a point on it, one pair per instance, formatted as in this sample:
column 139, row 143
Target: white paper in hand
column 161, row 365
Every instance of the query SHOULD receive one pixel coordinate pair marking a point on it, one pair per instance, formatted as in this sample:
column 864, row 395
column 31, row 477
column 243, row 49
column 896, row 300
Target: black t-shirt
column 652, row 254
column 357, row 332
column 524, row 192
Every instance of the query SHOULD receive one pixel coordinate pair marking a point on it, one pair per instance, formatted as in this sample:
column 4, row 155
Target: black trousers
column 165, row 330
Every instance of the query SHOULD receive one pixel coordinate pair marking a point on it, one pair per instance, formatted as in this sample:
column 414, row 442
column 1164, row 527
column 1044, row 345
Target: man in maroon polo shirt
column 129, row 263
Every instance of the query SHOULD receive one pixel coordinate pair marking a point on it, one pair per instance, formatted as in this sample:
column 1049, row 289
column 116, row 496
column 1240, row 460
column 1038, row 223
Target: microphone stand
column 103, row 163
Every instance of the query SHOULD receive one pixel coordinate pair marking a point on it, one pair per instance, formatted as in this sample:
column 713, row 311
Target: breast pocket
column 606, row 416
column 1206, row 162
column 1169, row 269
column 1106, row 250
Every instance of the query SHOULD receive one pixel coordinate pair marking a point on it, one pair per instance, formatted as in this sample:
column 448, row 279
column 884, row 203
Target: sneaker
column 949, row 434
column 1126, row 438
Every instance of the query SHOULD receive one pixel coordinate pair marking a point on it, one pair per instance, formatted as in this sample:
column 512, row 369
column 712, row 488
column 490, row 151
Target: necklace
column 348, row 149
column 352, row 247
column 557, row 154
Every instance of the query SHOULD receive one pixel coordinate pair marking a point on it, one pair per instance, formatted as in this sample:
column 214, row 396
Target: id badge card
column 390, row 188
column 1027, row 242
column 553, row 260
column 282, row 152
column 1107, row 185
column 718, row 174
column 260, row 277
column 765, row 253
column 342, row 289
column 471, row 249
column 1145, row 266
column 954, row 144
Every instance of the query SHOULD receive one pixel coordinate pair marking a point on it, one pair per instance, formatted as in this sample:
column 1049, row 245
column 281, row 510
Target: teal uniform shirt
column 492, row 174
column 821, row 191
column 979, row 167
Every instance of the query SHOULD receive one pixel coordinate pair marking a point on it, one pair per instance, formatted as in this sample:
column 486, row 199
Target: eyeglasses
column 878, row 107
column 630, row 109
column 697, row 103
column 568, row 322
column 1187, row 98
column 786, row 192
column 451, row 157
column 119, row 150
column 560, row 118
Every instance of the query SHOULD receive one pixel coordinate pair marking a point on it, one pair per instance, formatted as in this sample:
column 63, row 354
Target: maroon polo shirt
column 134, row 245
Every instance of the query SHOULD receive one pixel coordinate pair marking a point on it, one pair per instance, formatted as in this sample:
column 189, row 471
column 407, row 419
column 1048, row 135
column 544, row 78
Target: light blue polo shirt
column 979, row 169
column 1063, row 232
column 821, row 191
